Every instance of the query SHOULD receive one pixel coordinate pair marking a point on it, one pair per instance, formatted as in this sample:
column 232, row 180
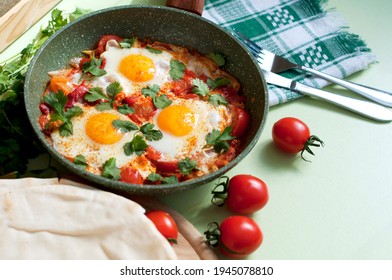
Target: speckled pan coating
column 158, row 23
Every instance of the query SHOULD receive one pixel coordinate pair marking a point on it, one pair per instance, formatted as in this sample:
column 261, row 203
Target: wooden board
column 190, row 244
column 21, row 17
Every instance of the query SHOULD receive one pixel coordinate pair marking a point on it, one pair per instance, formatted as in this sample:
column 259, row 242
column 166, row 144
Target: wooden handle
column 194, row 6
column 21, row 17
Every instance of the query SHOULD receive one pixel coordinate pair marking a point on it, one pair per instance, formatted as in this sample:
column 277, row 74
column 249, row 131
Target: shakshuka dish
column 144, row 112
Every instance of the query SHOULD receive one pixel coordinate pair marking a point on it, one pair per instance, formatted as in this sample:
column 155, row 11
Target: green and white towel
column 301, row 31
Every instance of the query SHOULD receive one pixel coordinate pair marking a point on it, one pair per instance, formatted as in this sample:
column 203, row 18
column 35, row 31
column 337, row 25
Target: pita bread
column 59, row 221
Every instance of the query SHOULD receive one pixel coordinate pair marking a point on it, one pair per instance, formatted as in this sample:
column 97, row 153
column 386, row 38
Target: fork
column 275, row 63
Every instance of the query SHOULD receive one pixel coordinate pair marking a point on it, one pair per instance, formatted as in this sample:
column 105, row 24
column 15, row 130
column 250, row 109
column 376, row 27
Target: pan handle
column 194, row 6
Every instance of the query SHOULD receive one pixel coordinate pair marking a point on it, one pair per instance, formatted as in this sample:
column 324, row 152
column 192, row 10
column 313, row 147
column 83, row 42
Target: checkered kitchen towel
column 300, row 30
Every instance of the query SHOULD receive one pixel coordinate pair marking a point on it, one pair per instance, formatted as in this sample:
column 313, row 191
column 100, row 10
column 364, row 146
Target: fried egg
column 137, row 67
column 185, row 125
column 95, row 137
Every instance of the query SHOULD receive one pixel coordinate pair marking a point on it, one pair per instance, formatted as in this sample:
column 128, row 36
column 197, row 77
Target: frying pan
column 158, row 23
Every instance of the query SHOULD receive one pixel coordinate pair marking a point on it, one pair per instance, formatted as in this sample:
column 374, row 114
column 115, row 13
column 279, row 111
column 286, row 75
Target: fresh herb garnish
column 160, row 101
column 127, row 43
column 124, row 126
column 218, row 82
column 150, row 133
column 80, row 161
column 18, row 141
column 219, row 140
column 177, row 69
column 154, row 177
column 151, row 90
column 138, row 146
column 109, row 170
column 57, row 101
column 201, row 88
column 187, row 165
column 96, row 93
column 125, row 109
column 93, row 67
column 217, row 58
column 152, row 50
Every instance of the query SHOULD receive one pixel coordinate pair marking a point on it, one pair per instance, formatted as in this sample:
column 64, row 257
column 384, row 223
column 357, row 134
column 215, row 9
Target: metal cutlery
column 365, row 108
column 277, row 64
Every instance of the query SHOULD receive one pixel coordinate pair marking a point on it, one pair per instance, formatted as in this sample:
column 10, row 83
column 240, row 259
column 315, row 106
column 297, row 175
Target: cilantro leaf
column 113, row 89
column 200, row 87
column 151, row 90
column 153, row 177
column 150, row 133
column 58, row 101
column 161, row 101
column 218, row 82
column 137, row 146
column 127, row 43
column 124, row 126
column 152, row 50
column 177, row 69
column 219, row 140
column 170, row 180
column 80, row 161
column 109, row 170
column 94, row 94
column 125, row 110
column 103, row 106
column 93, row 67
column 217, row 99
column 187, row 165
column 217, row 58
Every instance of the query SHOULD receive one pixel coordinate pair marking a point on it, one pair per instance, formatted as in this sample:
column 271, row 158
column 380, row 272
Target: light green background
column 339, row 206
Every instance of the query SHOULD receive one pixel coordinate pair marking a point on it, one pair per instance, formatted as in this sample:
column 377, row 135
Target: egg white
column 114, row 55
column 207, row 118
column 96, row 154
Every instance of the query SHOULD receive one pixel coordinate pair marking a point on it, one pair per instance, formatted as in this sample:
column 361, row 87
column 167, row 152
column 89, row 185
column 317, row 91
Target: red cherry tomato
column 131, row 176
column 292, row 135
column 165, row 224
column 236, row 236
column 246, row 194
column 243, row 194
column 241, row 119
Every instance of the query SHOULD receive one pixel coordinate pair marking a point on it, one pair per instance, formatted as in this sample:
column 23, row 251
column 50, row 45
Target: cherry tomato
column 292, row 135
column 165, row 224
column 241, row 121
column 131, row 176
column 236, row 236
column 246, row 194
column 243, row 194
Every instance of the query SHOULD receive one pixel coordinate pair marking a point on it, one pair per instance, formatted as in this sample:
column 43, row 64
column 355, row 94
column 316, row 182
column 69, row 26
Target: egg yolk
column 177, row 120
column 100, row 129
column 137, row 68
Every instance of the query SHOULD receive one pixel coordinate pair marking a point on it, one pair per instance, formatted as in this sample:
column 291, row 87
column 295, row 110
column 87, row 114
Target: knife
column 364, row 108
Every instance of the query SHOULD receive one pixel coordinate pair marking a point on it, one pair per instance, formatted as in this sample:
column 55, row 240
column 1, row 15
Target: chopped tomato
column 144, row 108
column 166, row 167
column 184, row 86
column 76, row 95
column 102, row 42
column 152, row 154
column 131, row 176
column 241, row 119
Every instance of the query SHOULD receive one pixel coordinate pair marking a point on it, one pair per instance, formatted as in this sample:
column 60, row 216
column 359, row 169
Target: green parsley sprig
column 58, row 101
column 202, row 89
column 219, row 140
column 18, row 141
column 160, row 101
column 96, row 93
